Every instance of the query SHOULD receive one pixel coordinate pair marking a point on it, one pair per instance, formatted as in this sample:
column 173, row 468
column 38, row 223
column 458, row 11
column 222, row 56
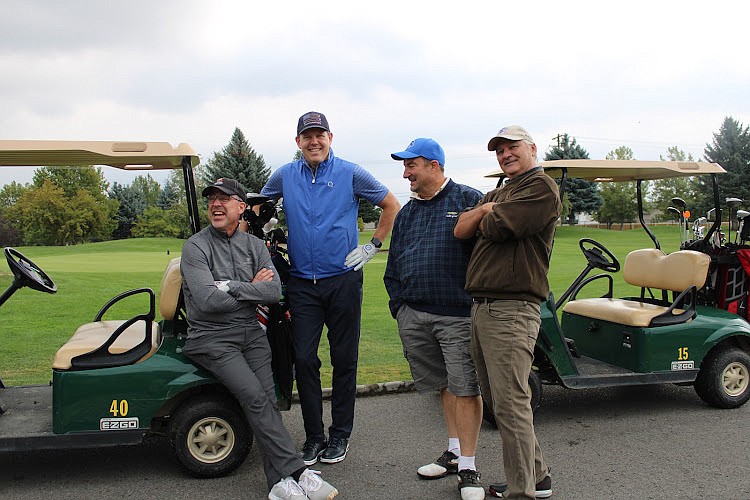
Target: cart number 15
column 682, row 353
column 119, row 408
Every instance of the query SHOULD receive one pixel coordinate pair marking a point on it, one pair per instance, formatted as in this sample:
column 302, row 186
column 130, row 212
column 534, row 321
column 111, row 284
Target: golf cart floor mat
column 28, row 410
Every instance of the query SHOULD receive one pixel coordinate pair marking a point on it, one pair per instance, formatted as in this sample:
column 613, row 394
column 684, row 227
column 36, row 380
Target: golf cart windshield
column 122, row 155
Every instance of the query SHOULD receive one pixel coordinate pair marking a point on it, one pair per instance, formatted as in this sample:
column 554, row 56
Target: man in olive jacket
column 507, row 279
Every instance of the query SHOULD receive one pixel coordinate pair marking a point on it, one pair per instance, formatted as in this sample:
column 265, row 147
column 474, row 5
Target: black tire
column 724, row 378
column 535, row 384
column 214, row 421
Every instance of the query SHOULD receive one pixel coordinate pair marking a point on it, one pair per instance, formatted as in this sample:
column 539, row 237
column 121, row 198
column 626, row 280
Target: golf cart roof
column 124, row 155
column 624, row 170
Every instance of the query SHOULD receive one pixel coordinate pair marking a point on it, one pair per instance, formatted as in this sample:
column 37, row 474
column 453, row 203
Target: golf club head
column 741, row 214
column 711, row 215
column 732, row 203
column 679, row 202
column 675, row 211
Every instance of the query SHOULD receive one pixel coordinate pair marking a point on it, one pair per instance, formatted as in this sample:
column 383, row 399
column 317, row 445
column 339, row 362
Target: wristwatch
column 376, row 242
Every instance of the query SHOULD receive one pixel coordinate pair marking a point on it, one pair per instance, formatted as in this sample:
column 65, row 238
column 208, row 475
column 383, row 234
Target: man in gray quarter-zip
column 225, row 274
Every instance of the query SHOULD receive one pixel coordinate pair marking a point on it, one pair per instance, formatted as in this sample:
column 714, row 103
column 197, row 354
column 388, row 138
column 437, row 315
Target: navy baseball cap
column 426, row 148
column 312, row 119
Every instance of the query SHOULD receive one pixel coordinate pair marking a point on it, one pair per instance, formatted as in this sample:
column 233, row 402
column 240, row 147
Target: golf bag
column 728, row 280
column 275, row 319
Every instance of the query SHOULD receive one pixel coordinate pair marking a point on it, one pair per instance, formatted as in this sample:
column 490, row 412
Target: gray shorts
column 438, row 349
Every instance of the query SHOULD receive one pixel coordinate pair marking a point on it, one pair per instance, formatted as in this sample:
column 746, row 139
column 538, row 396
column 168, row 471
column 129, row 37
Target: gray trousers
column 241, row 360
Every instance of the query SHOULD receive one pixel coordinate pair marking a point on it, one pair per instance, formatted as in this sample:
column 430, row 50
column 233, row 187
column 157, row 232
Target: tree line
column 65, row 206
column 68, row 206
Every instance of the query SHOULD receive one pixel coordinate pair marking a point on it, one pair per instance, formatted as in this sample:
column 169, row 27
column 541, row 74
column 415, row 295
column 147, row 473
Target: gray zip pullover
column 210, row 256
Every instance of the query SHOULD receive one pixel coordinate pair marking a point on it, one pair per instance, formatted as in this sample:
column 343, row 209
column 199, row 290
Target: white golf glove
column 222, row 285
column 270, row 224
column 360, row 256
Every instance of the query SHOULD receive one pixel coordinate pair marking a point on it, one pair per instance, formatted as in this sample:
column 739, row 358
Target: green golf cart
column 117, row 381
column 669, row 333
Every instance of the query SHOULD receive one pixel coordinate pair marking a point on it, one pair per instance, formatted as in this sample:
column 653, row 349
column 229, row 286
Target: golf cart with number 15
column 666, row 334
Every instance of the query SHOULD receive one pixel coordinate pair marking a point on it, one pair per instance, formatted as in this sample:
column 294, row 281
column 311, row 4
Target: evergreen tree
column 731, row 150
column 132, row 203
column 237, row 161
column 580, row 195
column 368, row 212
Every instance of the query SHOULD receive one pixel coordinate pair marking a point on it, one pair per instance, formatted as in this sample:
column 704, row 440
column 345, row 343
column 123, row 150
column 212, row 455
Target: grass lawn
column 35, row 325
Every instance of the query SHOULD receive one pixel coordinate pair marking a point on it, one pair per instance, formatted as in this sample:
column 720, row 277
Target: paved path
column 658, row 442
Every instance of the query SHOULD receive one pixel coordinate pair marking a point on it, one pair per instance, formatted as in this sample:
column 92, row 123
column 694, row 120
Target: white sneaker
column 315, row 487
column 287, row 489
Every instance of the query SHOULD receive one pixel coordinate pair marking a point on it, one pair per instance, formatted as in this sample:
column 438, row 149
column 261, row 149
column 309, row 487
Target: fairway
column 35, row 325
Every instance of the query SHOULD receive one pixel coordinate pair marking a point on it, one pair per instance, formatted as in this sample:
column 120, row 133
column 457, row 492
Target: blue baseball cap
column 426, row 148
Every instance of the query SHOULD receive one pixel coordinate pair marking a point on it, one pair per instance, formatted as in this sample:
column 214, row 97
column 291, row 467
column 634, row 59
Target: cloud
column 648, row 75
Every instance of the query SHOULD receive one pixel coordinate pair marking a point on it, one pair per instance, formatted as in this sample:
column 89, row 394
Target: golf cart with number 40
column 669, row 333
column 115, row 381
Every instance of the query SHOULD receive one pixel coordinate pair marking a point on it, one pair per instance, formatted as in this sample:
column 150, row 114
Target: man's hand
column 360, row 256
column 222, row 285
column 263, row 275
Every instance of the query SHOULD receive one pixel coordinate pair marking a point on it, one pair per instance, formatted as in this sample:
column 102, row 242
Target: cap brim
column 223, row 189
column 404, row 155
column 312, row 126
column 492, row 145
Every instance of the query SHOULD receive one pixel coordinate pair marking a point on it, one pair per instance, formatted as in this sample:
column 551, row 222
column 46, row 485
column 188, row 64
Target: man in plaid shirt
column 425, row 278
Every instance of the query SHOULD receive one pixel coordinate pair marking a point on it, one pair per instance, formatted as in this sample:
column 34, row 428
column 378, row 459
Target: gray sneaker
column 315, row 487
column 287, row 489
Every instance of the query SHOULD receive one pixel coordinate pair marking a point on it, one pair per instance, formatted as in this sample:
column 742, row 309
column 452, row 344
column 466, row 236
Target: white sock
column 466, row 463
column 454, row 446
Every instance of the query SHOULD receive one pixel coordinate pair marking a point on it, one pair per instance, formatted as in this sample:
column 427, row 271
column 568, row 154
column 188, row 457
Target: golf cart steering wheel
column 597, row 256
column 27, row 273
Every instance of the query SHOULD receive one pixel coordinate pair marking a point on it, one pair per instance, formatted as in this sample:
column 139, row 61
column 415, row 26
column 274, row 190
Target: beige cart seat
column 92, row 336
column 647, row 268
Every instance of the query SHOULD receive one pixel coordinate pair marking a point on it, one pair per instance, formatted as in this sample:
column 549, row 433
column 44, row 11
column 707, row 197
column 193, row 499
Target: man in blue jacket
column 321, row 200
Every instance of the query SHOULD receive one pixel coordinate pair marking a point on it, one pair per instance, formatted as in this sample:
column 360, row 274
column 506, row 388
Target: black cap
column 312, row 119
column 227, row 186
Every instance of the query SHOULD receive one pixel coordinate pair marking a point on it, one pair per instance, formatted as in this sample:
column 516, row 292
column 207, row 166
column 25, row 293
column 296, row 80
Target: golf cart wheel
column 535, row 384
column 210, row 436
column 724, row 378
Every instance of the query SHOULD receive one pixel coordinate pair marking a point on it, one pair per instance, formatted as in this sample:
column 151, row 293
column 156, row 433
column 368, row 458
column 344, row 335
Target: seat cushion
column 621, row 311
column 91, row 336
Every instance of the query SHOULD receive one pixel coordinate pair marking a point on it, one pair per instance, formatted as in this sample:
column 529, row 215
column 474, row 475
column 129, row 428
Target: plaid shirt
column 426, row 264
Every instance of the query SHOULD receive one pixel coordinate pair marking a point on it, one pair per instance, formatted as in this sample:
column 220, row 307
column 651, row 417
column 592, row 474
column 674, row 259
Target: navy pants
column 335, row 302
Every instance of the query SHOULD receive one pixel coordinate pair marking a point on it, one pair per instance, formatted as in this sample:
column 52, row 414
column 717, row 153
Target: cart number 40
column 682, row 355
column 119, row 408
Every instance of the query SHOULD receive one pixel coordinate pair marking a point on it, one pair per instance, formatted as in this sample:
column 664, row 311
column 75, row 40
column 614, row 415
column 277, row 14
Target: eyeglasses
column 222, row 198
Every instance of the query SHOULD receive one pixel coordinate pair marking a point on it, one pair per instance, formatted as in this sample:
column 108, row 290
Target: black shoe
column 446, row 464
column 469, row 485
column 312, row 450
column 336, row 451
column 543, row 488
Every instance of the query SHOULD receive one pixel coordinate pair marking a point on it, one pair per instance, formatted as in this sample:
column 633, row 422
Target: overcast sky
column 643, row 74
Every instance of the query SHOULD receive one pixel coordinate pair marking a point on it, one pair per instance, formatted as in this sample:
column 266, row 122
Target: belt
column 483, row 300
